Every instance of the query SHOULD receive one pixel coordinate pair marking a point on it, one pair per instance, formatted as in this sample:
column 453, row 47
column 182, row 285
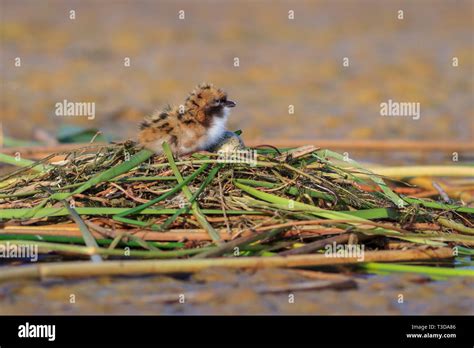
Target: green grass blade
column 185, row 210
column 194, row 206
column 397, row 200
column 44, row 247
column 121, row 216
column 354, row 220
column 290, row 190
column 113, row 172
column 107, row 175
column 80, row 240
column 427, row 270
column 89, row 239
column 436, row 205
column 18, row 213
column 21, row 162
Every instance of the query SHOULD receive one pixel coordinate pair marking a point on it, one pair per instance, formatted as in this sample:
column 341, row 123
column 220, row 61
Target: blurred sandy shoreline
column 282, row 62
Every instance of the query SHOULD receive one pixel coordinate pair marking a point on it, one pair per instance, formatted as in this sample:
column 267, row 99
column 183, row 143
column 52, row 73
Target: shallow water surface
column 224, row 291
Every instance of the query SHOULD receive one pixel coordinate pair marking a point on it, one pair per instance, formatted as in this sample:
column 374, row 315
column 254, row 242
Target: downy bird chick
column 197, row 125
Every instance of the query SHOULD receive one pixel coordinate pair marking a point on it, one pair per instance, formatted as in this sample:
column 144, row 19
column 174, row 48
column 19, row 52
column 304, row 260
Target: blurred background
column 282, row 62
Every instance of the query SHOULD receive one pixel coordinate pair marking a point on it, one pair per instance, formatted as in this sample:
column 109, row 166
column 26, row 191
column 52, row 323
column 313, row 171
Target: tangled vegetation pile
column 127, row 202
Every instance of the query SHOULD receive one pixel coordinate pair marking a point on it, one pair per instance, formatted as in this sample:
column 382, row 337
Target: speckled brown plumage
column 196, row 125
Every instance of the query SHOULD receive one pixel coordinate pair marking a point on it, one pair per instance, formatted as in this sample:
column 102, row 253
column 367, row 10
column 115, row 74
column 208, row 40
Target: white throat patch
column 217, row 129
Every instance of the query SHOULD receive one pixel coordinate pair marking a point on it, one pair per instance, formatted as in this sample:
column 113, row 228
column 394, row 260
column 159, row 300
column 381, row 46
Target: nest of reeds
column 260, row 202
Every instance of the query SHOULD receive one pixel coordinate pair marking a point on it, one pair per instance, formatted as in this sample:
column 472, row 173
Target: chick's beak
column 229, row 104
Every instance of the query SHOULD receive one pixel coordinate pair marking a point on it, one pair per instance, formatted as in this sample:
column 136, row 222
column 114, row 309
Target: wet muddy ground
column 224, row 291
